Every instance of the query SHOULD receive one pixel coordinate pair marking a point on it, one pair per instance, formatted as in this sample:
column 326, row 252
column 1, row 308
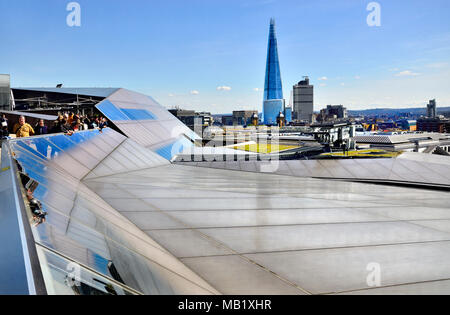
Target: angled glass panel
column 111, row 111
column 138, row 114
column 77, row 151
column 30, row 149
column 172, row 149
column 63, row 142
column 82, row 227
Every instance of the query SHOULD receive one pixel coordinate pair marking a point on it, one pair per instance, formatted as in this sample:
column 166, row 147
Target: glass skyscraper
column 273, row 91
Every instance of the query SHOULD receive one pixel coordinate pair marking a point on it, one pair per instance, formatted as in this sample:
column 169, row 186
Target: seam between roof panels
column 226, row 247
column 366, row 181
column 392, row 220
column 320, row 249
column 90, row 170
column 385, row 286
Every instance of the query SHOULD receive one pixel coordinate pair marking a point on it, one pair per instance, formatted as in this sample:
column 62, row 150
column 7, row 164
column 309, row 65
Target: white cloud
column 357, row 77
column 223, row 88
column 323, row 84
column 257, row 89
column 195, row 92
column 406, row 73
column 342, row 84
column 323, row 79
column 171, row 95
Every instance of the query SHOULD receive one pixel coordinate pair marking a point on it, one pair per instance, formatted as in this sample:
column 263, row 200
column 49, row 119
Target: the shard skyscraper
column 273, row 91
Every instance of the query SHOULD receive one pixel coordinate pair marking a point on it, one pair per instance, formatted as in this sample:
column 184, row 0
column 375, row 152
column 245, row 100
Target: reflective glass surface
column 252, row 232
column 272, row 88
column 135, row 223
column 138, row 114
column 288, row 114
column 148, row 123
column 172, row 149
column 411, row 168
column 111, row 111
column 80, row 225
column 66, row 277
column 272, row 109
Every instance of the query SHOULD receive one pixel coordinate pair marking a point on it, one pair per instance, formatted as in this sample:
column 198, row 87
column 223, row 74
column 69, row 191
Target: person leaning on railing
column 22, row 129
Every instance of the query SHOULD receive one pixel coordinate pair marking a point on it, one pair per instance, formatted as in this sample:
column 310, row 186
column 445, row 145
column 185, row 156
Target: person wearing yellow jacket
column 22, row 129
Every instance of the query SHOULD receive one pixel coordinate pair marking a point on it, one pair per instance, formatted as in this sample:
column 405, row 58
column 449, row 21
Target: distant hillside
column 395, row 111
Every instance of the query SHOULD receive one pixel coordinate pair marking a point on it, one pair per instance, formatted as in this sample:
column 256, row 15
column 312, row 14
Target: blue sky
column 182, row 51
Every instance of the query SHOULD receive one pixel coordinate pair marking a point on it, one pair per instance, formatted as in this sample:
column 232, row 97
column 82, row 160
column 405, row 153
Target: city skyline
column 215, row 60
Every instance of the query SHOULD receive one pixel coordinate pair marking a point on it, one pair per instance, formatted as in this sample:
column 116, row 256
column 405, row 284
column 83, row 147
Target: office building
column 288, row 114
column 193, row 119
column 187, row 117
column 433, row 125
column 227, row 120
column 206, row 117
column 273, row 90
column 431, row 109
column 303, row 101
column 333, row 112
column 243, row 117
column 407, row 124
